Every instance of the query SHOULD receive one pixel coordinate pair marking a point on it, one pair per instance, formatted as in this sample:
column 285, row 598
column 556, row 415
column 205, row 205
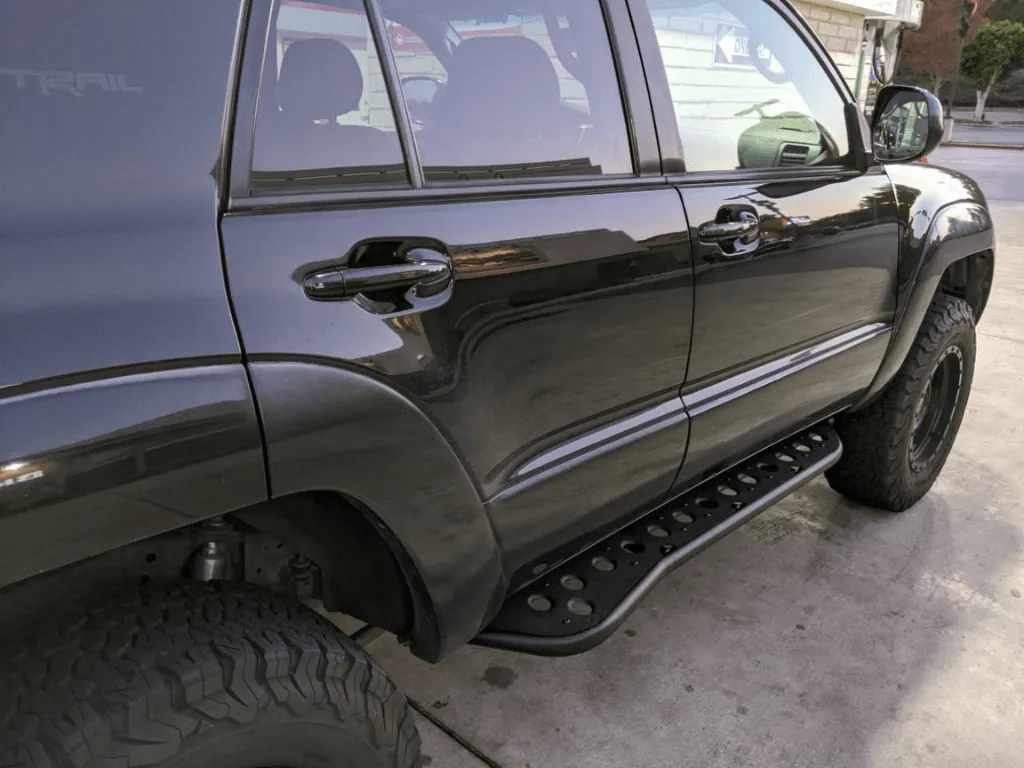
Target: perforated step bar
column 581, row 602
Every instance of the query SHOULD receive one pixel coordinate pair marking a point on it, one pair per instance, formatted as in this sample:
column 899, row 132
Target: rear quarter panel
column 125, row 409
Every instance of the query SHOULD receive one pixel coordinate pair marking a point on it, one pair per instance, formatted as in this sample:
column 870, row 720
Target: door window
column 510, row 89
column 324, row 113
column 746, row 90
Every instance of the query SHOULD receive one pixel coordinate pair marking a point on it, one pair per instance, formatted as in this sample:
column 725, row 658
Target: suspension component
column 210, row 562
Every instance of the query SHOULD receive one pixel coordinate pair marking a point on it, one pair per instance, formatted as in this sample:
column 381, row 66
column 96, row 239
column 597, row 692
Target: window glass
column 324, row 113
column 509, row 89
column 747, row 91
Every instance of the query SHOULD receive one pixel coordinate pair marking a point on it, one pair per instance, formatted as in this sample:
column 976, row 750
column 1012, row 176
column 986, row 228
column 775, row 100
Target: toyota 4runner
column 467, row 319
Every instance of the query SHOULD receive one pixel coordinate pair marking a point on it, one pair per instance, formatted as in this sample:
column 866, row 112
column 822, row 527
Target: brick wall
column 841, row 32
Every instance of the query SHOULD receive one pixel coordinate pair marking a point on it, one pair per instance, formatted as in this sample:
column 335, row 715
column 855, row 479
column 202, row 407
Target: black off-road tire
column 201, row 675
column 881, row 465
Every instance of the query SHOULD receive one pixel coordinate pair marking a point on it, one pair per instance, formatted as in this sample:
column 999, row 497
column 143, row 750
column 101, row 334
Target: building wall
column 841, row 32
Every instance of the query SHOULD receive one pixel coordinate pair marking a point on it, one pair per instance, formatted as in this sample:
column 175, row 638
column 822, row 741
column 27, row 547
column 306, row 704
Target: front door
column 495, row 255
column 795, row 249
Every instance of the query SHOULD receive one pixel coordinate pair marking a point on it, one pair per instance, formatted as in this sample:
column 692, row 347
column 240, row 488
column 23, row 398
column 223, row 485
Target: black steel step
column 581, row 602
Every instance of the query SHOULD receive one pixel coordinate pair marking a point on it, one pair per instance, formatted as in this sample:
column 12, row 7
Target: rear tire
column 201, row 675
column 894, row 449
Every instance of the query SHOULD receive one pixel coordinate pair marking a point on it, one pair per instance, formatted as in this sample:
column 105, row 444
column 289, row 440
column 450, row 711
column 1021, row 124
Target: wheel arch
column 970, row 279
column 336, row 433
column 365, row 571
column 362, row 570
column 955, row 254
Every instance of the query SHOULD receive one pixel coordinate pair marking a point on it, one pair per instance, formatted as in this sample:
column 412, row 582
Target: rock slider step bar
column 582, row 601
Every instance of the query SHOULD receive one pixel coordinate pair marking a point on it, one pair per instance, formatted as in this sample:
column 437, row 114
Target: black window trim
column 640, row 124
column 366, row 195
column 393, row 85
column 257, row 37
column 673, row 158
column 223, row 168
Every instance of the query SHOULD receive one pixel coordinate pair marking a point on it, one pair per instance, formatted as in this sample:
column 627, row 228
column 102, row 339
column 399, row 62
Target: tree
column 996, row 50
column 934, row 47
column 1007, row 10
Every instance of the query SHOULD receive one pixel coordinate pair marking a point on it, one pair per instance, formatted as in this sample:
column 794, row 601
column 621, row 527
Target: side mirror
column 906, row 124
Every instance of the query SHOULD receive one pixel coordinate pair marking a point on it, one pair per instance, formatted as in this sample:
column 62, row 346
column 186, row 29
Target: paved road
column 821, row 634
column 1000, row 172
column 989, row 134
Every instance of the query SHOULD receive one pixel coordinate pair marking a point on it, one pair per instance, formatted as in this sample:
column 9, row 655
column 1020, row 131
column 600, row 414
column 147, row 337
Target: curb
column 977, row 145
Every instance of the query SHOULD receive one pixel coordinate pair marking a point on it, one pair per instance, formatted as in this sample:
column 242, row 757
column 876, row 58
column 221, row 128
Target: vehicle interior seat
column 501, row 92
column 320, row 80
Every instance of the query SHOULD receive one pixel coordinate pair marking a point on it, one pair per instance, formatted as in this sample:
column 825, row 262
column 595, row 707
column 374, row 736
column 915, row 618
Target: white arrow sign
column 732, row 47
column 727, row 44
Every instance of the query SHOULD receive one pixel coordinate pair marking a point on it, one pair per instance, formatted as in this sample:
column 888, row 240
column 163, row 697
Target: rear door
column 795, row 247
column 508, row 255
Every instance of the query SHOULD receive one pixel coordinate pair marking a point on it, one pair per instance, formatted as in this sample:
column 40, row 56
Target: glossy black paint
column 548, row 394
column 793, row 325
column 791, row 321
column 338, row 429
column 943, row 217
column 647, row 150
column 569, row 312
column 760, row 405
column 565, row 497
column 125, row 410
column 108, row 209
column 91, row 466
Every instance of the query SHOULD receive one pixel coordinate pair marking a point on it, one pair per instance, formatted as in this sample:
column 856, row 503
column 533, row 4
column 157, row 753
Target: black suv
column 468, row 319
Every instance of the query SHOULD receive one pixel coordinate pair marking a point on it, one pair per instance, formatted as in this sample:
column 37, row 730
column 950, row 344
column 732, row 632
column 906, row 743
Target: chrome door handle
column 424, row 270
column 713, row 231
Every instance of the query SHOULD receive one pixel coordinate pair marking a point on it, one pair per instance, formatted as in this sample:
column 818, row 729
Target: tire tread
column 874, row 449
column 128, row 683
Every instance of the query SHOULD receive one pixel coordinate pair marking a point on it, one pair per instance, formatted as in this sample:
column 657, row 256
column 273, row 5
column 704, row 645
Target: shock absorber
column 210, row 563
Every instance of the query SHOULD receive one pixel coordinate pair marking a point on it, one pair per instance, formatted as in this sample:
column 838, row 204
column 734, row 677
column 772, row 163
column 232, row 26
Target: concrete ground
column 823, row 634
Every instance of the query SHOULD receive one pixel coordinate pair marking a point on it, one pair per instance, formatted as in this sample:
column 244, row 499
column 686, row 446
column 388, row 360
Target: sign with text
column 732, row 47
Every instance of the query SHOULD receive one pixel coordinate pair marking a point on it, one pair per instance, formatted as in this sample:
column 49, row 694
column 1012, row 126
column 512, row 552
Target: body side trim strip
column 610, row 432
column 594, row 444
column 637, row 425
column 722, row 392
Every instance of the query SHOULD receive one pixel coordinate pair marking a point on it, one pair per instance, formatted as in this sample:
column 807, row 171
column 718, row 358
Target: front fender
column 333, row 429
column 944, row 218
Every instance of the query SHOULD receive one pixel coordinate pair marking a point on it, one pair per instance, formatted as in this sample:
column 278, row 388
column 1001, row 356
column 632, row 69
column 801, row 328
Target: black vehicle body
column 161, row 364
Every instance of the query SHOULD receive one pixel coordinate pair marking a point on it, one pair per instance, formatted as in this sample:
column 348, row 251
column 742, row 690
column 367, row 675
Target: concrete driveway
column 822, row 634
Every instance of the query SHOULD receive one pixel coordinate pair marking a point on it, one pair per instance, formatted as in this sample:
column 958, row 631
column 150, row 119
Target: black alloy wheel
column 935, row 408
column 896, row 446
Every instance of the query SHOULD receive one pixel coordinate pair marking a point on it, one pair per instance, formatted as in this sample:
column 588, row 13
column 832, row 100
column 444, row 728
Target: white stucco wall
column 841, row 32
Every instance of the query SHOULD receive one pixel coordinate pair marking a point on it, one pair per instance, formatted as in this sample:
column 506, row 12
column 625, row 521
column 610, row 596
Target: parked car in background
column 469, row 319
